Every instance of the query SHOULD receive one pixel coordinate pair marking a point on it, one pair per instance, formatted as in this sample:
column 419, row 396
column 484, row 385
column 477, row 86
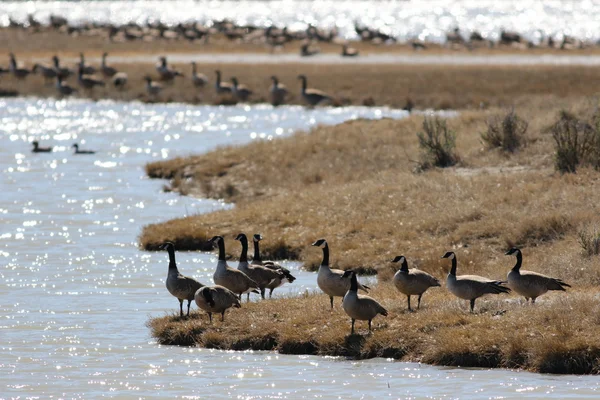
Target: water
column 76, row 292
column 426, row 20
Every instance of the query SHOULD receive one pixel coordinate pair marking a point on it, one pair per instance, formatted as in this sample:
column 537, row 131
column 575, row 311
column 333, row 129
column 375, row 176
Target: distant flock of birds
column 86, row 79
column 256, row 275
column 76, row 150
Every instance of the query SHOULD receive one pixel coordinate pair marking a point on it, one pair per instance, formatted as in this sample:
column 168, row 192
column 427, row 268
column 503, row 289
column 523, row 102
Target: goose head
column 512, row 251
column 75, row 146
column 274, row 79
column 234, row 81
column 241, row 237
column 148, row 79
column 216, row 239
column 450, row 255
column 166, row 245
column 35, row 144
column 399, row 259
column 302, row 77
column 257, row 237
column 322, row 243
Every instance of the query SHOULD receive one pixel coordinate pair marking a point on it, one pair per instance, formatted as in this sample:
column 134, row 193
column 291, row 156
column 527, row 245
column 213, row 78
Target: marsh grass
column 577, row 142
column 589, row 238
column 505, row 132
column 437, row 143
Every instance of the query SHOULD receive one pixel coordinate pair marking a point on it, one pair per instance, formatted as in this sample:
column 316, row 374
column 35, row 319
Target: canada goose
column 530, row 284
column 64, row 89
column 233, row 279
column 88, row 82
column 19, row 73
column 307, row 51
column 470, row 287
column 277, row 92
column 180, row 286
column 332, row 281
column 85, row 69
column 240, row 91
column 199, row 80
column 312, row 96
column 257, row 260
column 120, row 80
column 358, row 306
column 349, row 51
column 152, row 88
column 166, row 73
column 216, row 299
column 61, row 72
column 38, row 149
column 48, row 73
column 77, row 151
column 107, row 71
column 222, row 87
column 412, row 282
column 261, row 275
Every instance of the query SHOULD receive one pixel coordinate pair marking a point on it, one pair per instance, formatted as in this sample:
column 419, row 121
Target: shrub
column 576, row 142
column 505, row 132
column 589, row 239
column 438, row 144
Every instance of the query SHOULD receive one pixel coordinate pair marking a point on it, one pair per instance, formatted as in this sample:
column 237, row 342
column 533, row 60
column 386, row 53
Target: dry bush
column 507, row 132
column 576, row 142
column 438, row 144
column 589, row 239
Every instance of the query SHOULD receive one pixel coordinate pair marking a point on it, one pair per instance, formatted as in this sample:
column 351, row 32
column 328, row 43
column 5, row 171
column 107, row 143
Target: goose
column 63, row 88
column 312, row 96
column 86, row 69
column 61, row 72
column 107, row 71
column 48, row 73
column 233, row 279
column 530, row 284
column 19, row 73
column 470, row 287
column 349, row 51
column 277, row 92
column 222, row 87
column 180, row 286
column 332, row 281
column 78, row 151
column 216, row 299
column 120, row 80
column 358, row 306
column 306, row 51
column 152, row 88
column 412, row 282
column 261, row 275
column 199, row 80
column 166, row 73
column 257, row 260
column 88, row 82
column 241, row 92
column 38, row 149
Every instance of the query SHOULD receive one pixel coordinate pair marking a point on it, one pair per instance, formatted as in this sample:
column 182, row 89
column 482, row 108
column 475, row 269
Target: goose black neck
column 244, row 255
column 404, row 267
column 218, row 78
column 194, row 69
column 353, row 282
column 303, row 84
column 325, row 255
column 172, row 263
column 256, row 256
column 453, row 269
column 221, row 250
column 519, row 261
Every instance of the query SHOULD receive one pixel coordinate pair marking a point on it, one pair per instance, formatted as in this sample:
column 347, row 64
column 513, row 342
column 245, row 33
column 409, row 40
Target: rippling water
column 76, row 292
column 427, row 20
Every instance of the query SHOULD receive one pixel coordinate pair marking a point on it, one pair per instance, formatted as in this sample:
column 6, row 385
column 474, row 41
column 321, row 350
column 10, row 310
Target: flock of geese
column 88, row 80
column 256, row 275
column 76, row 150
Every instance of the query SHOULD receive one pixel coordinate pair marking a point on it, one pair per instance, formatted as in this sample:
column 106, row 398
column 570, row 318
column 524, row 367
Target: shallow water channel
column 75, row 291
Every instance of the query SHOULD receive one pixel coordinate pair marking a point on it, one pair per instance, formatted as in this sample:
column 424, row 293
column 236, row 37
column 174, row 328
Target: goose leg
column 180, row 307
column 270, row 292
column 331, row 301
column 223, row 316
column 247, row 298
column 369, row 326
column 262, row 293
column 352, row 330
column 210, row 317
column 533, row 300
column 408, row 298
column 419, row 302
column 472, row 304
column 188, row 314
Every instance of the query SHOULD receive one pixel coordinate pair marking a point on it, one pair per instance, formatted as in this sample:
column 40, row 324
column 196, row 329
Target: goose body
column 38, row 149
column 199, row 80
column 312, row 96
column 531, row 284
column 349, row 51
column 180, row 286
column 412, row 282
column 119, row 80
column 233, row 279
column 47, row 72
column 332, row 281
column 222, row 87
column 152, row 88
column 277, row 92
column 107, row 70
column 79, row 151
column 216, row 299
column 241, row 92
column 61, row 72
column 64, row 89
column 19, row 73
column 166, row 73
column 360, row 307
column 307, row 51
column 87, row 82
column 261, row 275
column 86, row 69
column 281, row 279
column 471, row 287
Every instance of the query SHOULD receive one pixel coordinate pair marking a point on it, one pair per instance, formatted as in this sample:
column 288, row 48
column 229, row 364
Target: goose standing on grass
column 277, row 92
column 199, row 80
column 180, row 286
column 19, row 73
column 38, row 149
column 306, row 50
column 61, row 72
column 62, row 88
column 47, row 72
column 349, row 51
column 531, row 284
column 152, row 88
column 107, row 70
column 240, row 91
column 471, row 287
column 332, row 281
column 78, row 151
column 88, row 82
column 312, row 96
column 120, row 80
column 166, row 73
column 412, row 282
column 360, row 307
column 222, row 87
column 87, row 69
column 261, row 275
column 257, row 260
column 216, row 299
column 233, row 279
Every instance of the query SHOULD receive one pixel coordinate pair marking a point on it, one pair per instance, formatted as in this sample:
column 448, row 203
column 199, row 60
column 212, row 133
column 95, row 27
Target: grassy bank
column 558, row 335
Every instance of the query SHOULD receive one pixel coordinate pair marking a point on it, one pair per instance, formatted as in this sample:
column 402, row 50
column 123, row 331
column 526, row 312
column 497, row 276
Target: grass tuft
column 438, row 144
column 507, row 132
column 589, row 239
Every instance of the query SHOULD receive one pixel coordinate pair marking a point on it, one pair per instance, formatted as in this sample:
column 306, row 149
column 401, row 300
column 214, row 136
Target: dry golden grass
column 557, row 335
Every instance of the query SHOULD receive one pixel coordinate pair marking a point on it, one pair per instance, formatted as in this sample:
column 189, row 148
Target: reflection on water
column 76, row 292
